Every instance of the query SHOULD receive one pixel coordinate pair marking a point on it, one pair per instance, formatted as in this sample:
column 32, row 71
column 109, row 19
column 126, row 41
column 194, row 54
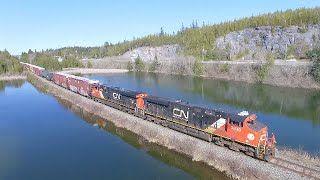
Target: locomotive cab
column 245, row 128
column 265, row 146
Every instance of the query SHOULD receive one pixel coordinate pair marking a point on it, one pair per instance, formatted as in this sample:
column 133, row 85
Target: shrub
column 225, row 68
column 139, row 64
column 154, row 65
column 263, row 70
column 314, row 55
column 198, row 68
column 89, row 64
column 130, row 66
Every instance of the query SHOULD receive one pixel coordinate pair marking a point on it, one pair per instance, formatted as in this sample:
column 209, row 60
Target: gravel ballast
column 234, row 164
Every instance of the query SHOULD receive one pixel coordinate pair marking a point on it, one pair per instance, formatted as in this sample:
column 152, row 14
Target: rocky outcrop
column 165, row 53
column 254, row 43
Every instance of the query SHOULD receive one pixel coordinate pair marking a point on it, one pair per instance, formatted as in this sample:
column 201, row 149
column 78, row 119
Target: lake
column 43, row 137
column 292, row 114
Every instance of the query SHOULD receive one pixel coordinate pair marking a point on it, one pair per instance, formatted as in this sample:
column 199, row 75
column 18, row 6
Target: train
column 239, row 131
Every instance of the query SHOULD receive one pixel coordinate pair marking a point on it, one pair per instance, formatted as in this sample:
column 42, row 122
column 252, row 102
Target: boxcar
column 36, row 69
column 81, row 85
column 60, row 79
column 46, row 74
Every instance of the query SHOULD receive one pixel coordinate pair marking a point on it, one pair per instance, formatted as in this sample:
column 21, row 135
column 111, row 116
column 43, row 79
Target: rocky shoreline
column 236, row 165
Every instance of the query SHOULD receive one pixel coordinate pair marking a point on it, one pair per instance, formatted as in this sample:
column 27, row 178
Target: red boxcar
column 81, row 85
column 33, row 68
column 61, row 79
column 36, row 69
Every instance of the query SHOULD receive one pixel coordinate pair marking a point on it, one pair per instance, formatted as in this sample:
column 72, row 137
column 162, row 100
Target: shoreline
column 234, row 164
column 92, row 71
column 293, row 74
column 12, row 77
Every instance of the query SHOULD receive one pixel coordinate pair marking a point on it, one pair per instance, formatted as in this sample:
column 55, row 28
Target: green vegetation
column 47, row 62
column 154, row 65
column 225, row 68
column 139, row 64
column 89, row 64
column 198, row 68
column 314, row 55
column 263, row 70
column 198, row 41
column 130, row 66
column 69, row 62
column 9, row 64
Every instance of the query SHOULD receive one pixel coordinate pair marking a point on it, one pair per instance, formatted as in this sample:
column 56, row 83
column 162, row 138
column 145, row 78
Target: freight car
column 46, row 74
column 61, row 79
column 238, row 131
column 81, row 85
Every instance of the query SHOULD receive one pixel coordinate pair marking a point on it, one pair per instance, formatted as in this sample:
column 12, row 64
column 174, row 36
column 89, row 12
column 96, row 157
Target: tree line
column 9, row 64
column 49, row 61
column 194, row 39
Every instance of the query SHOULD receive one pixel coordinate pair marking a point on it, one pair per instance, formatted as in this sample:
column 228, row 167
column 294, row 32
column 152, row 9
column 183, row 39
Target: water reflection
column 198, row 169
column 292, row 114
column 291, row 102
column 12, row 83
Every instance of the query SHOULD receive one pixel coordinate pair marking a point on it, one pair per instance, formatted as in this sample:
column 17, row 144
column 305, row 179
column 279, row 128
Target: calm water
column 42, row 137
column 292, row 114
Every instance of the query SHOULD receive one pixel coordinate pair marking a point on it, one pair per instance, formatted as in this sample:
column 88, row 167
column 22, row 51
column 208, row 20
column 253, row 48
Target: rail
column 297, row 168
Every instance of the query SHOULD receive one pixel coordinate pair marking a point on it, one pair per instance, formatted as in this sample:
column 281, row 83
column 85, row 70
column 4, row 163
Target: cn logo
column 116, row 96
column 180, row 113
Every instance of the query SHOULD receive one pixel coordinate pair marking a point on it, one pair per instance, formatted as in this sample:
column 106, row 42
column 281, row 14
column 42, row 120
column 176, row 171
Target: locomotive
column 237, row 131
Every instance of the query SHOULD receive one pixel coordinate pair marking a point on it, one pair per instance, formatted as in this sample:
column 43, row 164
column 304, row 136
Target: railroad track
column 301, row 169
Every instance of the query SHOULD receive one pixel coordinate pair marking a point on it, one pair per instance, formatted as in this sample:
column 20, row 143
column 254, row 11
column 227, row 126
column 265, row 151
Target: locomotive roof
column 127, row 92
column 160, row 100
column 237, row 118
column 257, row 126
column 234, row 116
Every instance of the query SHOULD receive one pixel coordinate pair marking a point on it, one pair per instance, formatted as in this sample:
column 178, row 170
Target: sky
column 43, row 24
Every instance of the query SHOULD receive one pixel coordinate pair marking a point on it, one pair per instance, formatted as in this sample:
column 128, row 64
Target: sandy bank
column 234, row 164
column 13, row 77
column 93, row 71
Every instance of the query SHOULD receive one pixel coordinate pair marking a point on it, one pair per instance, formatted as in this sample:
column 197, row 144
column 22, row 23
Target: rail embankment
column 235, row 164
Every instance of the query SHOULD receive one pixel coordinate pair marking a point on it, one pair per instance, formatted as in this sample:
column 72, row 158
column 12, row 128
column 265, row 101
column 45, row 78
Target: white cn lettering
column 180, row 113
column 116, row 96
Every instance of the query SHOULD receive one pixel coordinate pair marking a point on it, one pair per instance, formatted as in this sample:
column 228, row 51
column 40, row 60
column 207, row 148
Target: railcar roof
column 78, row 77
column 33, row 65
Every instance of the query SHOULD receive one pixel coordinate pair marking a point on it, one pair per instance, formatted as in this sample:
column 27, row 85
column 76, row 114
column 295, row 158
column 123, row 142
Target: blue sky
column 59, row 23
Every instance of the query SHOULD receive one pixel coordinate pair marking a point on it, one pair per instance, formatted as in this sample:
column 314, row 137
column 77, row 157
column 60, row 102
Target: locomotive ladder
column 262, row 147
